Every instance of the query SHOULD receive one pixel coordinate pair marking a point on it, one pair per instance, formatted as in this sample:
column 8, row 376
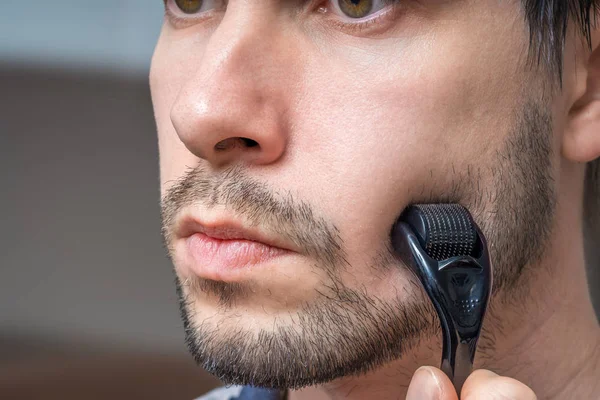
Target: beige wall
column 80, row 246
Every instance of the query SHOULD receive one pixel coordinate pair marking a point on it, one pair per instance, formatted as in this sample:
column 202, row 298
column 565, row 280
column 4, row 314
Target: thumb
column 430, row 383
column 483, row 384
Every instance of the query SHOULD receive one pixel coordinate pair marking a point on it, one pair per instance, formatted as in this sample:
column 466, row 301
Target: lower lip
column 216, row 258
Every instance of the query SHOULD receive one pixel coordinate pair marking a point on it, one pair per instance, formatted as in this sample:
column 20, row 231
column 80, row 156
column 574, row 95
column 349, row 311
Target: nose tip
column 226, row 134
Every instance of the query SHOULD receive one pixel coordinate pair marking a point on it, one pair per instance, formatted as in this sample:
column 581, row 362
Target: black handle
column 459, row 289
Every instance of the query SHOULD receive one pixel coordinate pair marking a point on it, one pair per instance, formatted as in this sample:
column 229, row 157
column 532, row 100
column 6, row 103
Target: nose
column 233, row 107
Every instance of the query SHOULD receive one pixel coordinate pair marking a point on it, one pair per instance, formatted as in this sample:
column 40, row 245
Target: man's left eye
column 359, row 8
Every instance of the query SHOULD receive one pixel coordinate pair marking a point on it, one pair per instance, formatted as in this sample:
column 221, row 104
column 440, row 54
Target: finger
column 430, row 383
column 486, row 385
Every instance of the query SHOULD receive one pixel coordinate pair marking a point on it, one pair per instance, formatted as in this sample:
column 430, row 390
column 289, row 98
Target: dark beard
column 349, row 331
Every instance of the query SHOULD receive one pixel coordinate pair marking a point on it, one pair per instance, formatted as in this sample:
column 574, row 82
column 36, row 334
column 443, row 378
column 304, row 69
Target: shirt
column 244, row 393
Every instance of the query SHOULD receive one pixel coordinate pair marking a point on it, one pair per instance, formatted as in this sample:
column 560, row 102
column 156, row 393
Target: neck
column 544, row 334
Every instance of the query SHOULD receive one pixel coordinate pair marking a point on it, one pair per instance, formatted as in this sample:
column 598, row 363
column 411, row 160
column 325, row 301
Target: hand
column 430, row 383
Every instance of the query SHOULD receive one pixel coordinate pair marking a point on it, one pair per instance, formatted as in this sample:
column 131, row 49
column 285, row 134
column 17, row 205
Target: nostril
column 249, row 142
column 224, row 145
column 231, row 143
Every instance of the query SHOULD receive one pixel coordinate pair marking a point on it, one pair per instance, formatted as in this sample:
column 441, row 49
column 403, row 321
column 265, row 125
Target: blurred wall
column 81, row 254
column 81, row 251
column 107, row 35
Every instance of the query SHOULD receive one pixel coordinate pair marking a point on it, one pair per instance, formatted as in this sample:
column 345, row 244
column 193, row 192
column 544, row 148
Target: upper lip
column 228, row 229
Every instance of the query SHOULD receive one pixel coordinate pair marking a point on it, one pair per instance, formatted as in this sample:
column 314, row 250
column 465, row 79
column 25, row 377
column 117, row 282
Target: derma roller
column 444, row 247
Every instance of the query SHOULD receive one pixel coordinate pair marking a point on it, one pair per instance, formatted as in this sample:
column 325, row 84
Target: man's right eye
column 183, row 13
column 189, row 6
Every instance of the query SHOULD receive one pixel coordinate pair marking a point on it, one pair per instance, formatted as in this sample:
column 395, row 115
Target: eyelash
column 392, row 6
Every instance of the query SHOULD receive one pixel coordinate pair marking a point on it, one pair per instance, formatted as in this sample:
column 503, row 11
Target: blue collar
column 253, row 393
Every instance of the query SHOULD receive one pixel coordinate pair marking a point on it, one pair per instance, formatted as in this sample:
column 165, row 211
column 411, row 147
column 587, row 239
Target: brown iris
column 189, row 6
column 356, row 8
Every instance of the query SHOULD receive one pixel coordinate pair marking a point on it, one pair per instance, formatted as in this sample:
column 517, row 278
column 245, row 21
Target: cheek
column 378, row 136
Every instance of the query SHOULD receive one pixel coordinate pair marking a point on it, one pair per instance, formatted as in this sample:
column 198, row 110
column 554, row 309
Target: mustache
column 277, row 211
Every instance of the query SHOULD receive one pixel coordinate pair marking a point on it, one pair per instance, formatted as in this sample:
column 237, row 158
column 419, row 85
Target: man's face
column 310, row 126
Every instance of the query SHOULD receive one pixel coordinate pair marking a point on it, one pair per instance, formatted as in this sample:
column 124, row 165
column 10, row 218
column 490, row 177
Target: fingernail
column 424, row 386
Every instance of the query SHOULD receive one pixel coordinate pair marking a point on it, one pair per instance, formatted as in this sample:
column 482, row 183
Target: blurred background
column 87, row 304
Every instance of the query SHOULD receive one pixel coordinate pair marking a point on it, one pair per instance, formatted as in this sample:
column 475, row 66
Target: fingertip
column 513, row 388
column 482, row 383
column 447, row 390
column 429, row 383
column 481, row 374
column 474, row 382
column 423, row 385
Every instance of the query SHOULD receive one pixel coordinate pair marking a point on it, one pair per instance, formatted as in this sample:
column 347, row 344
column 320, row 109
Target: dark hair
column 548, row 22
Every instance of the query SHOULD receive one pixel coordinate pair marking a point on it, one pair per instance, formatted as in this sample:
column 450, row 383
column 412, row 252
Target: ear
column 581, row 142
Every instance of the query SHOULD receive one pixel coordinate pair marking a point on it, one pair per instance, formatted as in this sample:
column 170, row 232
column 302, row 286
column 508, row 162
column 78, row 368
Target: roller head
column 443, row 230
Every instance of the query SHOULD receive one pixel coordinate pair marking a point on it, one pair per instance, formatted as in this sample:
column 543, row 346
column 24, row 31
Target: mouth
column 224, row 249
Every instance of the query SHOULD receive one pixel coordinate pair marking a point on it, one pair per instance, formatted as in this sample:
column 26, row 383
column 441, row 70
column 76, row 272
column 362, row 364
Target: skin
column 360, row 123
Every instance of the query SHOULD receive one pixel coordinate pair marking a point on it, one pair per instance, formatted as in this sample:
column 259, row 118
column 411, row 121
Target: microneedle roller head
column 444, row 230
